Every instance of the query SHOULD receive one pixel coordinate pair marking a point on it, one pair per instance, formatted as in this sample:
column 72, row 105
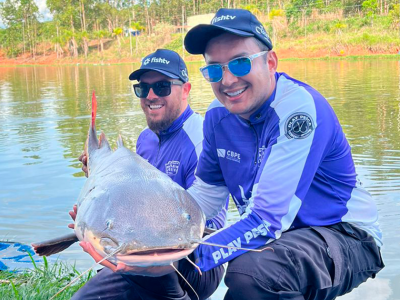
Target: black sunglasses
column 160, row 88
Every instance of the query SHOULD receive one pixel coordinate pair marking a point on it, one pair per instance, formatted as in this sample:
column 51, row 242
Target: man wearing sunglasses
column 172, row 143
column 275, row 144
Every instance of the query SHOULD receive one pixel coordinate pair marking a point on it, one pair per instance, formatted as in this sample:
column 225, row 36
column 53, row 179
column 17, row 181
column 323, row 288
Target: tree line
column 77, row 23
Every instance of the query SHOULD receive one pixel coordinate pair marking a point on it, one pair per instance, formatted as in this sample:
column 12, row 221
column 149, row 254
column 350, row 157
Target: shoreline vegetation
column 109, row 32
column 42, row 282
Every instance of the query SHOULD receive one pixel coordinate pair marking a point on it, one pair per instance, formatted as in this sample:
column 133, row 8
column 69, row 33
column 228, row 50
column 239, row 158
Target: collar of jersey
column 260, row 115
column 178, row 123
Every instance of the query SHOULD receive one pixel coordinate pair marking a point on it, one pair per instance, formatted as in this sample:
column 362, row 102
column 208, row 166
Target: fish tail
column 94, row 109
column 92, row 142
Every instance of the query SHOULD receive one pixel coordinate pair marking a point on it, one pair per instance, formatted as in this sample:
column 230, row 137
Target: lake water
column 44, row 118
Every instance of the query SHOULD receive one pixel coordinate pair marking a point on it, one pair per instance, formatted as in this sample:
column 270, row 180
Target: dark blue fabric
column 107, row 285
column 318, row 263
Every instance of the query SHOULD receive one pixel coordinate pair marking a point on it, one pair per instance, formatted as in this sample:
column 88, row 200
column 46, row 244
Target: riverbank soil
column 283, row 53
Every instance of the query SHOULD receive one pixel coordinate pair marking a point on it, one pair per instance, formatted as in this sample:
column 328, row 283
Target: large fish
column 130, row 207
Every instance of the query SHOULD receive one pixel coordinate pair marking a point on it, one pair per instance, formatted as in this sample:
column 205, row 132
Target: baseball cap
column 164, row 61
column 236, row 21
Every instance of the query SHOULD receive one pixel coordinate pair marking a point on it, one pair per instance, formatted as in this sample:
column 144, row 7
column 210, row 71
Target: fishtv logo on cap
column 156, row 60
column 222, row 18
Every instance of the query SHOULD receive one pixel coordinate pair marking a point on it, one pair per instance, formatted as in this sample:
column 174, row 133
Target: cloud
column 43, row 10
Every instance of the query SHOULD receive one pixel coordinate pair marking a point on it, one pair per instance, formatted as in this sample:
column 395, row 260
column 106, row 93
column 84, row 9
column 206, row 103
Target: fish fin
column 120, row 142
column 53, row 246
column 94, row 109
column 92, row 142
column 103, row 142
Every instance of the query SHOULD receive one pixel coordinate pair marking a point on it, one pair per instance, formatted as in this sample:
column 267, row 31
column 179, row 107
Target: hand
column 73, row 213
column 131, row 270
column 83, row 159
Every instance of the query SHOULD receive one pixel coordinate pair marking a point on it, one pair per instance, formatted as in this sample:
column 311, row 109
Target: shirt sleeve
column 284, row 177
column 219, row 220
column 211, row 195
column 139, row 150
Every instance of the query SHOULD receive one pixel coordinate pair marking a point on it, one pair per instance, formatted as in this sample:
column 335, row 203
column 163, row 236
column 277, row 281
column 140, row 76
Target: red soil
column 282, row 53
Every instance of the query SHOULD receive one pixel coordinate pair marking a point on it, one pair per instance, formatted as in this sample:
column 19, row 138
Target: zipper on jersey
column 255, row 132
column 159, row 149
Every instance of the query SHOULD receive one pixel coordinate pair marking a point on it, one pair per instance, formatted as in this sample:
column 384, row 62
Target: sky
column 42, row 9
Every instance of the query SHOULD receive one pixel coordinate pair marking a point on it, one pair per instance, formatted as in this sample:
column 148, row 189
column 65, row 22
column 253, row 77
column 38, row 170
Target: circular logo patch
column 184, row 73
column 299, row 126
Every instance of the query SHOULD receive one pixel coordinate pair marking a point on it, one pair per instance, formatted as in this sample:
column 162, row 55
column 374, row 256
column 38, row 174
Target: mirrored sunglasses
column 239, row 67
column 160, row 88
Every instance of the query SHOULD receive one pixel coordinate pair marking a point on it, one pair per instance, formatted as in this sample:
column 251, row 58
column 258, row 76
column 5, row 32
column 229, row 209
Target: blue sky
column 42, row 9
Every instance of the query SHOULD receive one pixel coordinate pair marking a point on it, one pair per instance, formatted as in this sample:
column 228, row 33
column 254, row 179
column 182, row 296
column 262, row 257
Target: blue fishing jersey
column 289, row 166
column 175, row 152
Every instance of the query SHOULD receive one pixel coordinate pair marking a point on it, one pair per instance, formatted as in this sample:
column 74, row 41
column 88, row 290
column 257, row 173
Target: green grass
column 42, row 282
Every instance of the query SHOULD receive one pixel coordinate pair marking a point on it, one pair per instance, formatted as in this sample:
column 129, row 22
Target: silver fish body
column 129, row 210
column 128, row 203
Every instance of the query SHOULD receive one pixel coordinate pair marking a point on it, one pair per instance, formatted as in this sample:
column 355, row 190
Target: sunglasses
column 160, row 88
column 239, row 67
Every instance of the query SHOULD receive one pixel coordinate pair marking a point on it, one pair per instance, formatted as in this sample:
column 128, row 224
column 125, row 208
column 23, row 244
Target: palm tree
column 138, row 28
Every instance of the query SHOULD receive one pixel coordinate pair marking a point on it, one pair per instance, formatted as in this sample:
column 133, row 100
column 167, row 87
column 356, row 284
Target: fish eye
column 109, row 224
column 186, row 216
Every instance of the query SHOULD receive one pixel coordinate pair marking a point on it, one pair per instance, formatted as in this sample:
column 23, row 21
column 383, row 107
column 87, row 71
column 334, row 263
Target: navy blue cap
column 236, row 21
column 164, row 61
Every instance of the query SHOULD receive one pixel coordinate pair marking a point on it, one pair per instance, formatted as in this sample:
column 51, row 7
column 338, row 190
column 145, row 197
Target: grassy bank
column 42, row 282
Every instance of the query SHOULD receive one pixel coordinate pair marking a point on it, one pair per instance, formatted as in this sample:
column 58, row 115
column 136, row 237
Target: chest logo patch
column 232, row 155
column 172, row 167
column 299, row 126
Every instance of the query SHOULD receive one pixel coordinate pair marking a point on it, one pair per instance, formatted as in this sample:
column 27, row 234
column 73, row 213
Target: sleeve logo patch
column 299, row 126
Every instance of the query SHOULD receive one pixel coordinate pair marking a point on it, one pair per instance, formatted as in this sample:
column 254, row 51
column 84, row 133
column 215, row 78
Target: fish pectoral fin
column 56, row 245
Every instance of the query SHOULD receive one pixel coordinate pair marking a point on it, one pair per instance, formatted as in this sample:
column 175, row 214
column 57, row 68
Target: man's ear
column 272, row 61
column 186, row 90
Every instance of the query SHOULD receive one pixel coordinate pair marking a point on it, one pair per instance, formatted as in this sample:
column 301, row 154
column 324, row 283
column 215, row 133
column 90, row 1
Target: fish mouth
column 153, row 257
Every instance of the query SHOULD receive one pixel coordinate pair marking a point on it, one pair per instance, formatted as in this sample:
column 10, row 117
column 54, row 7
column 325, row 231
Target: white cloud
column 43, row 10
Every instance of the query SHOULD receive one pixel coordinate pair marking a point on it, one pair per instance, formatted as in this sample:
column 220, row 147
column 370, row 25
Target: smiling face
column 241, row 95
column 161, row 112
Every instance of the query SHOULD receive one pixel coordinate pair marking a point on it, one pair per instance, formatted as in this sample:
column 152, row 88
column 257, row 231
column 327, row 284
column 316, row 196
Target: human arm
column 282, row 181
column 218, row 221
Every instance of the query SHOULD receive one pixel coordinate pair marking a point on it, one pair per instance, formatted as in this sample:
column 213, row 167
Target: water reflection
column 45, row 113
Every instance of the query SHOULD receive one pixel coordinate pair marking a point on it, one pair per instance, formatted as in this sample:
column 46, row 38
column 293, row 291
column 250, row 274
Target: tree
column 66, row 12
column 138, row 28
column 21, row 19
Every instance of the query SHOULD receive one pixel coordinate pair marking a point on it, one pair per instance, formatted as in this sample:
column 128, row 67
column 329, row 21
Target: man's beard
column 164, row 123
